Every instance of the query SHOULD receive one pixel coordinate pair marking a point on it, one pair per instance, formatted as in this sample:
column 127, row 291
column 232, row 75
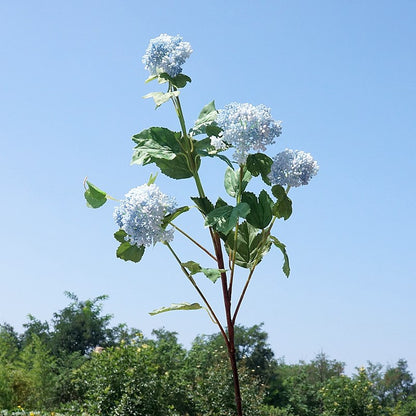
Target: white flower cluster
column 293, row 168
column 217, row 142
column 141, row 214
column 247, row 127
column 166, row 54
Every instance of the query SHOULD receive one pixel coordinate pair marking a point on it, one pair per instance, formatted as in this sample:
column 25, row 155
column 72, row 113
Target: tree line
column 78, row 363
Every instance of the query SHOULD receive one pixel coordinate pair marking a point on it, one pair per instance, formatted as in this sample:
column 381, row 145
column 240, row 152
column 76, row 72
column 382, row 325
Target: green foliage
column 260, row 164
column 212, row 274
column 393, row 387
column 9, row 342
column 184, row 306
column 236, row 181
column 136, row 378
column 203, row 204
column 344, row 396
column 132, row 375
column 248, row 248
column 224, row 218
column 210, row 381
column 179, row 81
column 163, row 147
column 283, row 207
column 94, row 196
column 38, row 368
column 127, row 251
column 282, row 248
column 296, row 387
column 34, row 327
column 159, row 97
column 7, row 386
column 170, row 217
column 260, row 209
column 206, row 117
column 80, row 327
column 204, row 147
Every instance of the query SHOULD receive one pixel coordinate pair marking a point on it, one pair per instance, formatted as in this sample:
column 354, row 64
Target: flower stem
column 195, row 242
column 228, row 338
column 191, row 279
column 234, row 251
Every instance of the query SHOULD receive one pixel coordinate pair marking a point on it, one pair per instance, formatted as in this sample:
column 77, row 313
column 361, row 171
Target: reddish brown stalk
column 230, row 342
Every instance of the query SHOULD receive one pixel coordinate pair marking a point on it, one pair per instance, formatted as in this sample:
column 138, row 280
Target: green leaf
column 206, row 117
column 213, row 130
column 192, row 266
column 127, row 251
column 177, row 168
column 212, row 274
column 152, row 179
column 161, row 146
column 170, row 217
column 203, row 204
column 249, row 247
column 223, row 219
column 155, row 143
column 204, row 148
column 220, row 203
column 184, row 306
column 260, row 164
column 120, row 236
column 94, row 196
column 151, row 78
column 283, row 207
column 161, row 97
column 232, row 181
column 260, row 209
column 282, row 247
column 180, row 80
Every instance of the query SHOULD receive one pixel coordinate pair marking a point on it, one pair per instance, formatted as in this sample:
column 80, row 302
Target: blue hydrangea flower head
column 293, row 168
column 141, row 214
column 247, row 128
column 166, row 54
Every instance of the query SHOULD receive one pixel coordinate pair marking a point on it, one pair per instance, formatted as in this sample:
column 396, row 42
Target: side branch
column 191, row 279
column 194, row 241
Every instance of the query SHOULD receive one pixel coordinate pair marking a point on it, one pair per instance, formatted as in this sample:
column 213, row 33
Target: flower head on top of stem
column 141, row 215
column 247, row 127
column 166, row 53
column 293, row 168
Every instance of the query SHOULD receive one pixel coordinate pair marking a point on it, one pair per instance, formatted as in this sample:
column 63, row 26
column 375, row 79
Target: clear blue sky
column 340, row 74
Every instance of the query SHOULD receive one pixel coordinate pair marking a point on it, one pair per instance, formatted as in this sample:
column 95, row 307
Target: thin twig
column 195, row 242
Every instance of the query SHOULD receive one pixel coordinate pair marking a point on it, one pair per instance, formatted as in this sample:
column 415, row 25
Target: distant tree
column 39, row 368
column 9, row 342
column 345, row 396
column 296, row 387
column 394, row 386
column 80, row 327
column 135, row 378
column 398, row 383
column 209, row 380
column 251, row 345
column 34, row 327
